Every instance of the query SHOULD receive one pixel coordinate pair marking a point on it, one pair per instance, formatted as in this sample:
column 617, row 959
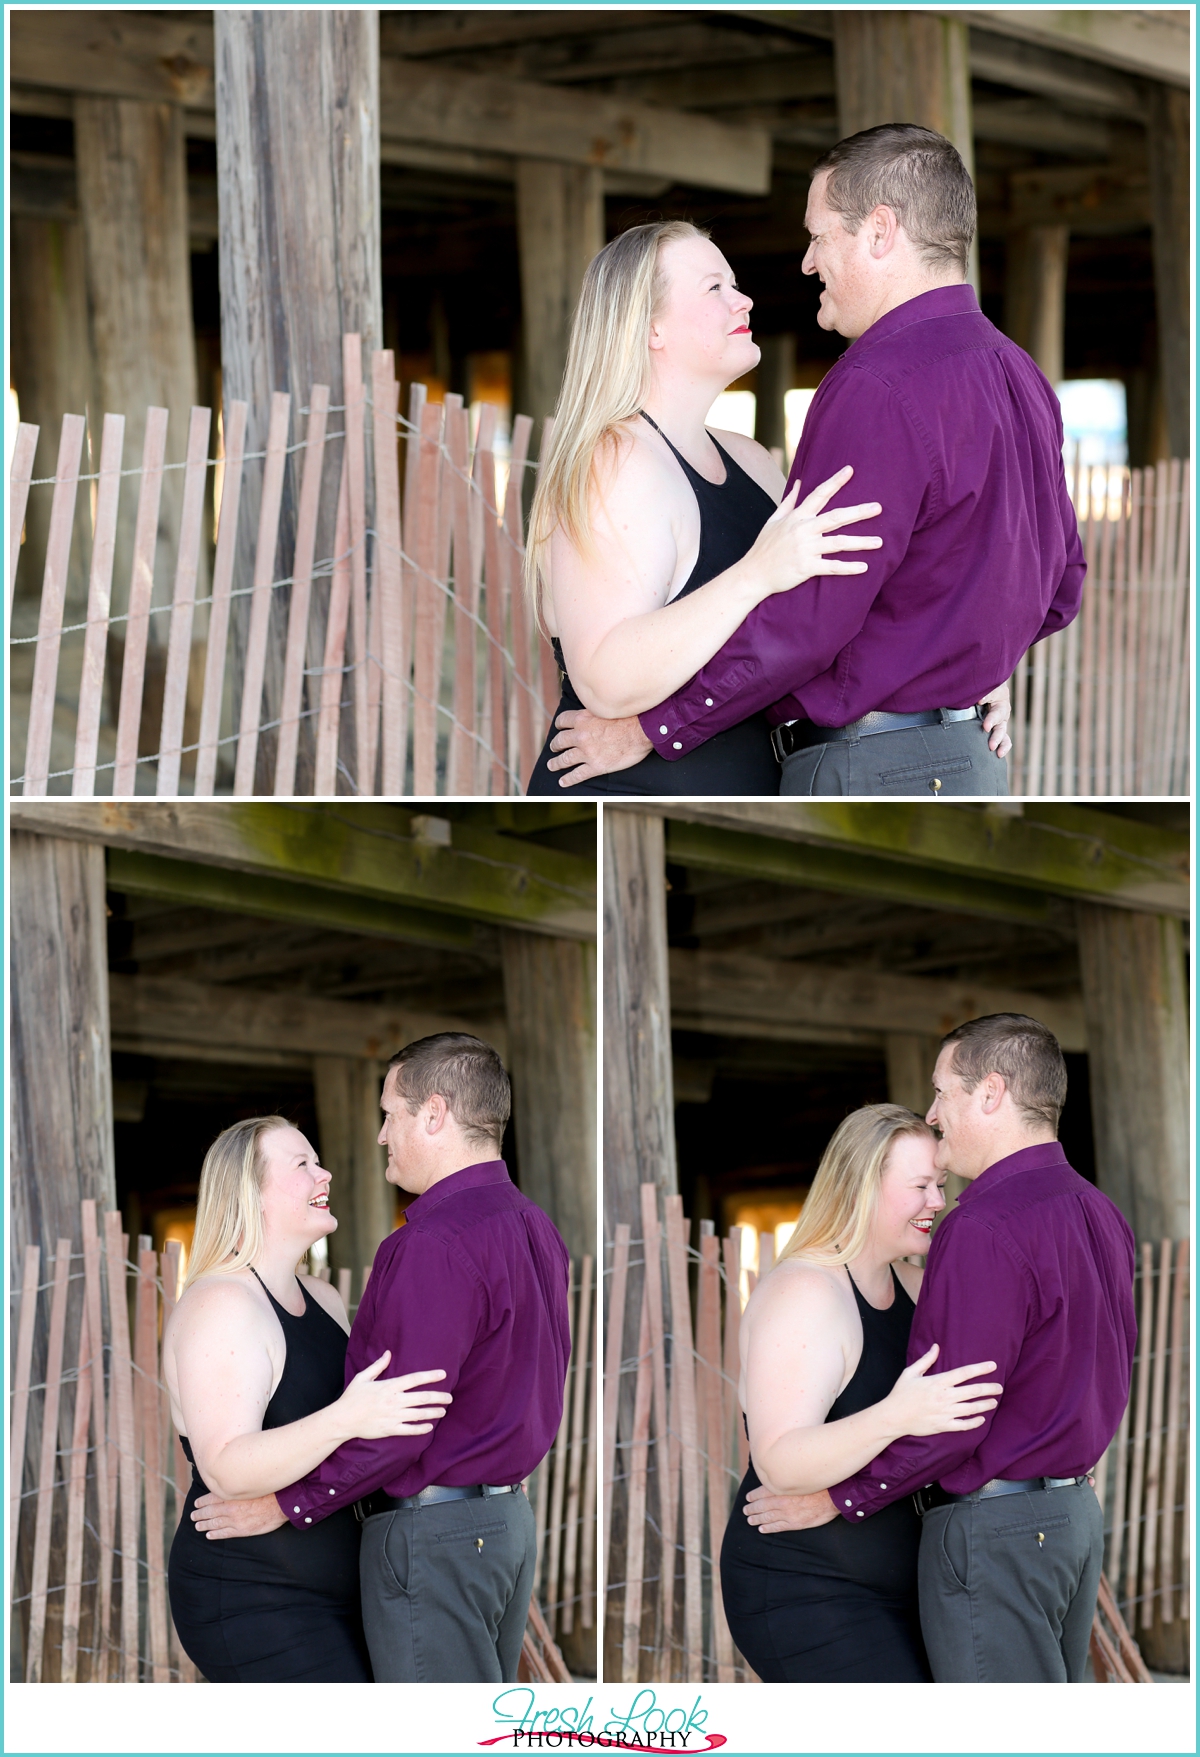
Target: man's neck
column 463, row 1161
column 1000, row 1150
column 905, row 289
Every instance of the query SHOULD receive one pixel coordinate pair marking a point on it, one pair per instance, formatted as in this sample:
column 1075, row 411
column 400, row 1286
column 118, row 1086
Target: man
column 872, row 683
column 474, row 1281
column 1034, row 1270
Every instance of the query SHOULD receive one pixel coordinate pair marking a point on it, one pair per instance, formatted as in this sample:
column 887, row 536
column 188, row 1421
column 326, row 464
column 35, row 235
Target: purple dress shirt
column 957, row 434
column 475, row 1282
column 1034, row 1270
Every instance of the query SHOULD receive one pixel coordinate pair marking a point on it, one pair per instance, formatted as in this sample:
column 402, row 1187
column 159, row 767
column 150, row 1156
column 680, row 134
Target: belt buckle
column 777, row 742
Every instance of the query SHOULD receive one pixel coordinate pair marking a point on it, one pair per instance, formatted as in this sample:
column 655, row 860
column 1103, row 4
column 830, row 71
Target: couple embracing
column 711, row 638
column 357, row 1510
column 899, row 1524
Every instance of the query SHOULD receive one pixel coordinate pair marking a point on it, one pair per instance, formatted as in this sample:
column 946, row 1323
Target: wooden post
column 131, row 167
column 550, row 1009
column 776, row 371
column 1135, row 1005
column 1167, row 136
column 348, row 1117
column 905, row 67
column 560, row 227
column 910, row 1064
column 297, row 98
column 1035, row 294
column 639, row 1110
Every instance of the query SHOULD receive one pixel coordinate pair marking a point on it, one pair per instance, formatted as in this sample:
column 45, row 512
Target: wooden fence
column 675, row 1451
column 411, row 661
column 1103, row 707
column 98, row 1478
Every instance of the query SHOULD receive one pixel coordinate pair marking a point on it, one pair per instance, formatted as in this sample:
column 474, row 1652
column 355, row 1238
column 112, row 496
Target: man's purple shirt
column 474, row 1282
column 1034, row 1270
column 957, row 434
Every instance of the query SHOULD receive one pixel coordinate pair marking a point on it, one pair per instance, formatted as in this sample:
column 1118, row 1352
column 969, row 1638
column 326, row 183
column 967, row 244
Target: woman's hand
column 941, row 1403
column 796, row 540
column 371, row 1408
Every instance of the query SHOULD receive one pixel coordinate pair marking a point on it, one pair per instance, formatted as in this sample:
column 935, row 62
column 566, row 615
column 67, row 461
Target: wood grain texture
column 301, row 594
column 347, row 1090
column 99, row 606
column 53, row 602
column 183, row 608
column 218, row 627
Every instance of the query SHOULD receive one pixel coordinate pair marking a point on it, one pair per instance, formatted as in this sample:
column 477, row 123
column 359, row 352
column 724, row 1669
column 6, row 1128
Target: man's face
column 843, row 262
column 953, row 1113
column 404, row 1136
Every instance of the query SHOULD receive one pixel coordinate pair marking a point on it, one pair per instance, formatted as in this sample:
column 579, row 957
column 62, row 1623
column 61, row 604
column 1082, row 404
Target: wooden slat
column 26, row 1320
column 1070, row 716
column 587, row 1538
column 183, row 606
column 34, row 1662
column 292, row 700
column 708, row 1346
column 122, row 1429
column 528, row 715
column 1154, row 1461
column 456, row 479
column 1130, row 1653
column 421, row 545
column 1137, row 1470
column 20, row 474
column 547, row 665
column 652, row 1251
column 330, row 715
column 1037, row 718
column 559, row 1478
column 575, row 1449
column 766, row 1253
column 613, row 1355
column 493, row 575
column 218, row 619
column 1087, row 663
column 635, row 1536
column 141, row 590
column 552, row 1658
column 1177, row 649
column 1170, row 1475
column 152, row 1463
column 50, row 614
column 345, row 1276
column 683, row 1375
column 76, row 1493
column 105, row 1456
column 388, row 599
column 95, row 640
column 452, row 405
column 732, row 1252
column 262, row 595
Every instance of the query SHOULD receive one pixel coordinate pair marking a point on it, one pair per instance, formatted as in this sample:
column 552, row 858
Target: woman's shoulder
column 755, row 459
column 218, row 1291
column 797, row 1284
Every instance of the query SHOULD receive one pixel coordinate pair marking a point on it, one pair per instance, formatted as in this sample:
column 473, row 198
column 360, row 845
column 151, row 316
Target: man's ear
column 882, row 230
column 994, row 1088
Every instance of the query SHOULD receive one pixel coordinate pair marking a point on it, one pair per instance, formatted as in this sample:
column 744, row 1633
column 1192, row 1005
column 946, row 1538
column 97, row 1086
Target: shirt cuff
column 306, row 1503
column 697, row 713
column 860, row 1496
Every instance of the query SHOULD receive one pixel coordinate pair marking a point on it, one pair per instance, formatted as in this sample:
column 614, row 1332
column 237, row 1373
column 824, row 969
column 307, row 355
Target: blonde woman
column 652, row 538
column 825, row 1388
column 254, row 1358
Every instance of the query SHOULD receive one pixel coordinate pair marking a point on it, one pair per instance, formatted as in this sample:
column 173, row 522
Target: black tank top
column 739, row 761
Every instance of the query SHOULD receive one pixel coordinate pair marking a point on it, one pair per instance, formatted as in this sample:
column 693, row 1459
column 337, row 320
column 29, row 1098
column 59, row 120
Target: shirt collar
column 471, row 1177
column 1042, row 1157
column 938, row 302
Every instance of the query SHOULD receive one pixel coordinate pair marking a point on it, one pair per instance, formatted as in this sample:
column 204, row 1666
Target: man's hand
column 218, row 1518
column 589, row 746
column 995, row 722
column 771, row 1512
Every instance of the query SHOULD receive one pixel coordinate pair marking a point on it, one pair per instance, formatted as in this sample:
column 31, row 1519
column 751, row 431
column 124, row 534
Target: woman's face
column 295, row 1188
column 910, row 1194
column 703, row 327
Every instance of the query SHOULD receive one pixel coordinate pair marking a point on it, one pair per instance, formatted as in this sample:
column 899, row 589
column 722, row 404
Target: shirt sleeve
column 427, row 1306
column 976, row 1304
column 794, row 636
column 1064, row 606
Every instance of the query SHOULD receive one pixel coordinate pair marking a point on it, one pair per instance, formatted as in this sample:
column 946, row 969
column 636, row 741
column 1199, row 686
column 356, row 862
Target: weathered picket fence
column 98, row 1478
column 675, row 1451
column 431, row 676
column 1103, row 707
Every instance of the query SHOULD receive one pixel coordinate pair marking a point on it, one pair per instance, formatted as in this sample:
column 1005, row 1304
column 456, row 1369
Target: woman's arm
column 794, row 1369
column 222, row 1347
column 625, row 648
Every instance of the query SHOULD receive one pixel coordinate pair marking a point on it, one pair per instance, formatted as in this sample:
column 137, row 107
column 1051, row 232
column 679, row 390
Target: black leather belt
column 796, row 735
column 429, row 1497
column 936, row 1496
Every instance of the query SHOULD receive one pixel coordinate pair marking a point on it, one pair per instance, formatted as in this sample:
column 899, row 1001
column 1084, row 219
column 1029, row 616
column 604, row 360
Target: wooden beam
column 159, row 1010
column 1030, row 122
column 1085, row 85
column 736, row 986
column 369, row 850
column 153, row 56
column 1153, row 41
column 1066, row 850
column 1169, row 138
column 1090, row 199
column 276, row 899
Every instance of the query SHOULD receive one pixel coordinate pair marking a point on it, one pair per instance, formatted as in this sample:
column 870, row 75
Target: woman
column 655, row 537
column 254, row 1360
column 825, row 1389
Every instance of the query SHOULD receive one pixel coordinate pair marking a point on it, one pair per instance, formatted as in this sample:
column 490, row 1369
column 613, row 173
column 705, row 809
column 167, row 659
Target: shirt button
column 309, row 1521
column 882, row 1485
column 296, row 1509
column 860, row 1514
column 677, row 745
column 663, row 730
column 334, row 1491
column 848, row 1503
column 708, row 701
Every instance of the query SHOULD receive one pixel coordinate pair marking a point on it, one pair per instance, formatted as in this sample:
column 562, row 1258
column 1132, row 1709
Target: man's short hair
column 915, row 172
column 1024, row 1053
column 463, row 1070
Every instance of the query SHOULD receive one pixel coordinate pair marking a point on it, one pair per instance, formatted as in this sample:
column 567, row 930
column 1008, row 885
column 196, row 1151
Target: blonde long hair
column 605, row 383
column 229, row 1230
column 836, row 1218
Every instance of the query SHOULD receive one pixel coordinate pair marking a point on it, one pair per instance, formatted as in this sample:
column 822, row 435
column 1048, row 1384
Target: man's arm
column 794, row 636
column 429, row 1305
column 1064, row 606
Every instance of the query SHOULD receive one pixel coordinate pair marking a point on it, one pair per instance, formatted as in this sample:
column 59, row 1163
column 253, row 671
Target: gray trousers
column 446, row 1588
column 955, row 754
column 1008, row 1587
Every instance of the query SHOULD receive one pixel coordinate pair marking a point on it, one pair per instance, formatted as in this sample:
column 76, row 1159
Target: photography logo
column 646, row 1725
